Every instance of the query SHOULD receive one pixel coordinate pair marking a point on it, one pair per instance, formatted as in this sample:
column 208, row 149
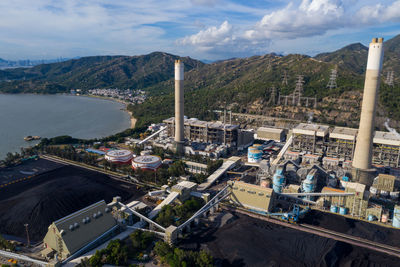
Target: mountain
column 351, row 57
column 94, row 72
column 240, row 84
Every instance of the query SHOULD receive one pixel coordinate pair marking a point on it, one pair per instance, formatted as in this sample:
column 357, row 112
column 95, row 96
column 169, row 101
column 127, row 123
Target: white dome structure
column 119, row 156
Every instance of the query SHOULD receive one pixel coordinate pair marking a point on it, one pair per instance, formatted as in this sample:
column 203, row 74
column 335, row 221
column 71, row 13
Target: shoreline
column 133, row 120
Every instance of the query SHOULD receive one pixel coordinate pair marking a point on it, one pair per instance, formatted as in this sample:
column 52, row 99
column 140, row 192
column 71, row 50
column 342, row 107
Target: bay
column 53, row 115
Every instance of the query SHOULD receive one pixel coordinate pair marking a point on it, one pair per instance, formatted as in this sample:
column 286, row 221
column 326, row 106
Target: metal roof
column 386, row 138
column 198, row 123
column 311, row 129
column 83, row 226
column 184, row 184
column 344, row 133
column 270, row 130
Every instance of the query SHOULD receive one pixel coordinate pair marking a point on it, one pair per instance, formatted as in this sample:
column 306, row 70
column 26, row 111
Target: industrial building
column 146, row 162
column 212, row 132
column 310, row 138
column 122, row 156
column 342, row 142
column 252, row 196
column 268, row 133
column 386, row 149
column 68, row 235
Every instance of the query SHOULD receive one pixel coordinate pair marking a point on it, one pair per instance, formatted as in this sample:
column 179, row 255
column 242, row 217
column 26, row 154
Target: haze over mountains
column 6, row 64
column 236, row 83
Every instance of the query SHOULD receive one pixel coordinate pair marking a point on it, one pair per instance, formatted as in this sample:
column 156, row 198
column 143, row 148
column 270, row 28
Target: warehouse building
column 89, row 226
column 252, row 196
column 267, row 133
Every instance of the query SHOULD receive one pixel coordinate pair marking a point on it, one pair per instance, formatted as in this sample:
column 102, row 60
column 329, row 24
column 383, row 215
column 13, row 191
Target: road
column 356, row 241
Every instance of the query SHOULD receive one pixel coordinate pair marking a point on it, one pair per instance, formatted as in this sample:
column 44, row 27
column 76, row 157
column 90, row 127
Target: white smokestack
column 363, row 152
column 179, row 118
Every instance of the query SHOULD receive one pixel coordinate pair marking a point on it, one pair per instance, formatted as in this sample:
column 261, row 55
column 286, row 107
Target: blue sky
column 202, row 29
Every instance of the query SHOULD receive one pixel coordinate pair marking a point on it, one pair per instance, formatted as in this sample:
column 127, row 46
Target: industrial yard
column 45, row 202
column 321, row 195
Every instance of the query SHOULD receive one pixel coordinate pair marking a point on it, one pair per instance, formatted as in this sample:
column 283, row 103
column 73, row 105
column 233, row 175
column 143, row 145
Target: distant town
column 126, row 95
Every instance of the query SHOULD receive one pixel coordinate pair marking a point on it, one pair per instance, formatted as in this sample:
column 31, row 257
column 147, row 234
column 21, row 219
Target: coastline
column 132, row 119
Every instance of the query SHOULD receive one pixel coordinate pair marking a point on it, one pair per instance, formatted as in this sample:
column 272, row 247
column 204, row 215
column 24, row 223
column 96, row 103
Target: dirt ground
column 53, row 195
column 245, row 241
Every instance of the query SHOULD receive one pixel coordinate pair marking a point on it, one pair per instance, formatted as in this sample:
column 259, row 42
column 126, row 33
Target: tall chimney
column 362, row 168
column 179, row 119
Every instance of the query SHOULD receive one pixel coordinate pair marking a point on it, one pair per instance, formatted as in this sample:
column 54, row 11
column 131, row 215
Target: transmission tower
column 285, row 78
column 390, row 78
column 298, row 91
column 332, row 80
column 272, row 99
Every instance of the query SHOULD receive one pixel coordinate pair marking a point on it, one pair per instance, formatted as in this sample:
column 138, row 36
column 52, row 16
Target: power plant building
column 252, row 196
column 342, row 142
column 268, row 133
column 75, row 231
column 310, row 138
column 211, row 132
column 386, row 149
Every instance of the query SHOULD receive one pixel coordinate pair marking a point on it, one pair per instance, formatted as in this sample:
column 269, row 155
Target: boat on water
column 31, row 138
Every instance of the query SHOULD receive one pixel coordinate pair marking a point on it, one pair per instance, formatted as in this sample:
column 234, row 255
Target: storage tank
column 278, row 180
column 148, row 162
column 396, row 217
column 310, row 182
column 343, row 210
column 121, row 156
column 254, row 156
column 334, row 208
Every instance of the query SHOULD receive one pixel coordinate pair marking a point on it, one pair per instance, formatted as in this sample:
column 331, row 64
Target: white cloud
column 379, row 13
column 210, row 37
column 295, row 21
column 311, row 17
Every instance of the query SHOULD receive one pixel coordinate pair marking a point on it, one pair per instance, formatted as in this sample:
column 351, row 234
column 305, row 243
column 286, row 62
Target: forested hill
column 238, row 84
column 134, row 72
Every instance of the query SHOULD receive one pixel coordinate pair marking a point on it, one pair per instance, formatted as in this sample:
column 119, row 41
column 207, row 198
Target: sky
column 201, row 29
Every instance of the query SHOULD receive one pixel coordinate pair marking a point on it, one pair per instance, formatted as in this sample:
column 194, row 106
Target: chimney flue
column 362, row 161
column 179, row 101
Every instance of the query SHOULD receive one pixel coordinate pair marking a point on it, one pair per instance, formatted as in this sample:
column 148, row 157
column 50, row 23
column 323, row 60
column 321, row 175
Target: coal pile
column 354, row 227
column 53, row 195
column 246, row 241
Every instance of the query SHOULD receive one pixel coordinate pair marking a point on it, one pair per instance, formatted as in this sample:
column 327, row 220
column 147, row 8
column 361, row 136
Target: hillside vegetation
column 242, row 85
